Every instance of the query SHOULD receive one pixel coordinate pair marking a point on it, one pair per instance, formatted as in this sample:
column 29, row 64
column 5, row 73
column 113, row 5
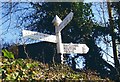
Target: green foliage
column 8, row 54
column 29, row 70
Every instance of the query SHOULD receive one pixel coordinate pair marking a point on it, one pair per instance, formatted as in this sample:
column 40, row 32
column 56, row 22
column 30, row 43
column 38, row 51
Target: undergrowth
column 12, row 69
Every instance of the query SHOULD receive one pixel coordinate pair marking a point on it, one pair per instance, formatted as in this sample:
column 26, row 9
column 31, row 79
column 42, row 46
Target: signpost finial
column 56, row 21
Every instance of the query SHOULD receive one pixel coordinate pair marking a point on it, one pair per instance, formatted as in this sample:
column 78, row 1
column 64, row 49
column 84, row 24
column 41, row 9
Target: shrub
column 30, row 70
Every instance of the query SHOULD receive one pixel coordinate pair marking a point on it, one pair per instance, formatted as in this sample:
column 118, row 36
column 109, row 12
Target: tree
column 116, row 36
column 82, row 29
column 116, row 7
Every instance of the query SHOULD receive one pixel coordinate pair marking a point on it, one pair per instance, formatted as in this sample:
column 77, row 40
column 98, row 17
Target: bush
column 28, row 69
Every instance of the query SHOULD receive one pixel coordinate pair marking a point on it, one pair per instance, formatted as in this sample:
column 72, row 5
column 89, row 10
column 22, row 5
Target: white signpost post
column 62, row 48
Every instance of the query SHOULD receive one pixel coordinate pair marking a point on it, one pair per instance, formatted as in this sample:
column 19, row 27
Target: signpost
column 62, row 48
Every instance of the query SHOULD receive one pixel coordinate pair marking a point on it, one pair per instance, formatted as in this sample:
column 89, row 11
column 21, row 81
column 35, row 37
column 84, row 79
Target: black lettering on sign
column 70, row 48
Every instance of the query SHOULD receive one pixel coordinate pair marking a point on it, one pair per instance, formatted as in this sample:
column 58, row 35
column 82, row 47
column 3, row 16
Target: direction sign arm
column 65, row 21
column 39, row 36
column 75, row 48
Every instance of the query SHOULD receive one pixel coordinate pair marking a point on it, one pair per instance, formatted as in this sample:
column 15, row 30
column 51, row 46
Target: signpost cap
column 56, row 21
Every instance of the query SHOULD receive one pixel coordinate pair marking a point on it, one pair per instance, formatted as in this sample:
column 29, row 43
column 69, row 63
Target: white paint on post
column 59, row 25
column 39, row 36
column 56, row 21
column 59, row 45
column 75, row 48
